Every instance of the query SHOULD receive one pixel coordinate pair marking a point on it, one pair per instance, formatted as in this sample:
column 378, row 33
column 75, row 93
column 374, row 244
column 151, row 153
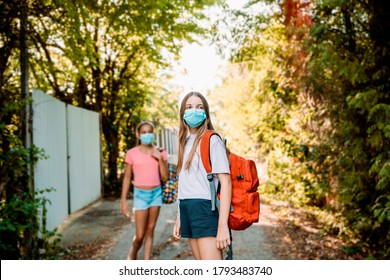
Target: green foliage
column 23, row 234
column 360, row 124
column 23, row 214
column 322, row 92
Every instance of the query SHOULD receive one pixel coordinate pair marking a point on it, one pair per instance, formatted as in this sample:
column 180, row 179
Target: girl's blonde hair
column 184, row 130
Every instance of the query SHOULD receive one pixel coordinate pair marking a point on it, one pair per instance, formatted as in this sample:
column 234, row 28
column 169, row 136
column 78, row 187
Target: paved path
column 102, row 226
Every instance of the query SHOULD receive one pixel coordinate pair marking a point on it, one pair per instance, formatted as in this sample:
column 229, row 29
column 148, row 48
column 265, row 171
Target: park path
column 101, row 232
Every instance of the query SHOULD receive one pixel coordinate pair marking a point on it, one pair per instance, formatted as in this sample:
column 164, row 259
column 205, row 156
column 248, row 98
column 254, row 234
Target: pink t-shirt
column 145, row 167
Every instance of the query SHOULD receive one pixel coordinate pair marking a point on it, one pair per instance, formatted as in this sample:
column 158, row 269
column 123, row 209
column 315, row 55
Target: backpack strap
column 205, row 150
column 229, row 255
column 206, row 160
column 205, row 156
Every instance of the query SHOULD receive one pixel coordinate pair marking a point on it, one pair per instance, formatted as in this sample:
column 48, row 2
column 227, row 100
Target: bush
column 23, row 233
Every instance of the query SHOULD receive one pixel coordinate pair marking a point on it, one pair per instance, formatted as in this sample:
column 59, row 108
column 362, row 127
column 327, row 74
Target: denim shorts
column 197, row 219
column 143, row 199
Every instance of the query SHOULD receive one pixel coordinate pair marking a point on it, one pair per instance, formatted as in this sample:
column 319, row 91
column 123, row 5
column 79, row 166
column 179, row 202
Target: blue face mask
column 194, row 117
column 147, row 138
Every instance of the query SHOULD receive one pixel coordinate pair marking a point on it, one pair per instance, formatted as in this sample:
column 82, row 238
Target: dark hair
column 141, row 124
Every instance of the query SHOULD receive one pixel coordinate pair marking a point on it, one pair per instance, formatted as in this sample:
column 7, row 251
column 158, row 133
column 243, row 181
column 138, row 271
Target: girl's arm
column 164, row 172
column 223, row 235
column 125, row 190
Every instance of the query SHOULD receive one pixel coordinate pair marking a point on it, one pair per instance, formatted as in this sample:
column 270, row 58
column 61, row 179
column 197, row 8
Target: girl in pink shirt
column 144, row 164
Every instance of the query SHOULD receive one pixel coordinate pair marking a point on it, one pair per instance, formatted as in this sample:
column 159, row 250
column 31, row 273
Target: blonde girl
column 207, row 230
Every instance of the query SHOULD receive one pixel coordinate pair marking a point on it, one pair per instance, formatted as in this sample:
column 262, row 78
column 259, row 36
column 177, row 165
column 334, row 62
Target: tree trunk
column 111, row 136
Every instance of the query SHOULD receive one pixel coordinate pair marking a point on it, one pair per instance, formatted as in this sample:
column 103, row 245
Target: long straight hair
column 184, row 130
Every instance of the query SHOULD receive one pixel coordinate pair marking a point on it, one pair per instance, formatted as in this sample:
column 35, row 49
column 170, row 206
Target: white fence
column 70, row 138
column 167, row 138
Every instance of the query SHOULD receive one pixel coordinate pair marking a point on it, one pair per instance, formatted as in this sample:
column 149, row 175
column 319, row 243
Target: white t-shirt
column 193, row 182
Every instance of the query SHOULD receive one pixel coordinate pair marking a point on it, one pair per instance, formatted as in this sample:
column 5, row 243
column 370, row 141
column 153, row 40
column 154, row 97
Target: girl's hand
column 223, row 237
column 156, row 153
column 125, row 209
column 176, row 229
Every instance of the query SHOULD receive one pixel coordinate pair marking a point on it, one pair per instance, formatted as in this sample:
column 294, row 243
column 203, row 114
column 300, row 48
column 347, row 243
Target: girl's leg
column 154, row 211
column 194, row 247
column 208, row 249
column 141, row 218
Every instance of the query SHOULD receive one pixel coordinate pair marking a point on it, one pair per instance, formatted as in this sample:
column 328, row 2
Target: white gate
column 70, row 138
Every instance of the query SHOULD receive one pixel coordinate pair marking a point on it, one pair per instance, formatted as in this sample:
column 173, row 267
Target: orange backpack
column 245, row 208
